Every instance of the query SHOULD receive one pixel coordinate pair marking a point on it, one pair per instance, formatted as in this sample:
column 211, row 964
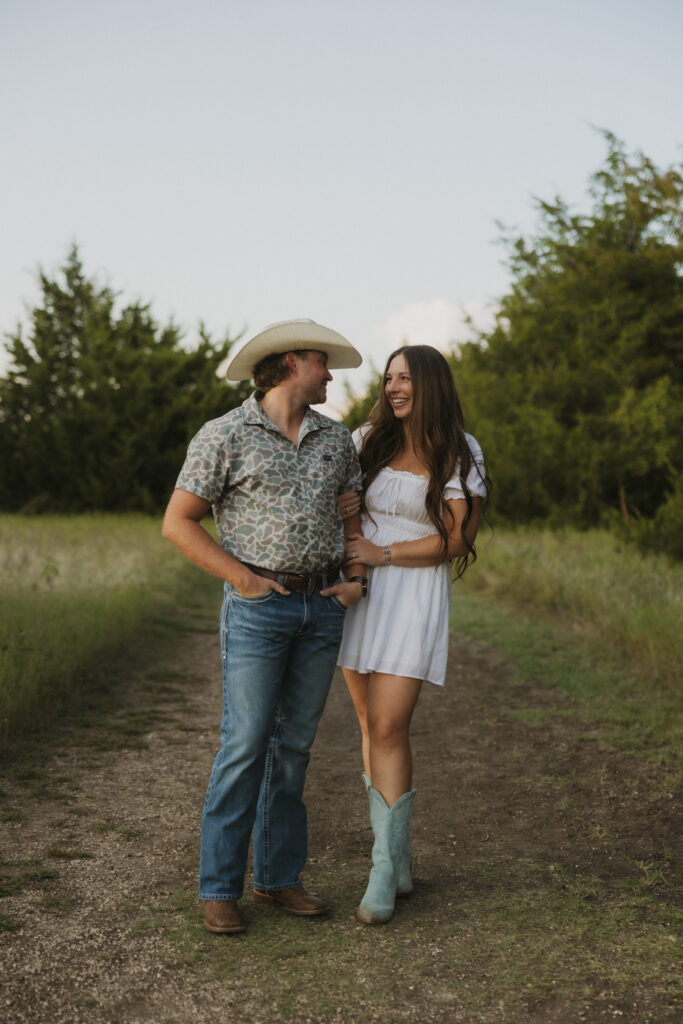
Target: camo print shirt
column 274, row 502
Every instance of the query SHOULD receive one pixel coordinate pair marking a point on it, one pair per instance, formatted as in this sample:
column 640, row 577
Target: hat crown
column 284, row 323
column 287, row 336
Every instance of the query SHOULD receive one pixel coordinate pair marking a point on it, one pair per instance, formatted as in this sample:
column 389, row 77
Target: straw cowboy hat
column 287, row 336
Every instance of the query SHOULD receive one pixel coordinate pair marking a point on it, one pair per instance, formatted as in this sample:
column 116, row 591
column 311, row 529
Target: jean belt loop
column 281, row 579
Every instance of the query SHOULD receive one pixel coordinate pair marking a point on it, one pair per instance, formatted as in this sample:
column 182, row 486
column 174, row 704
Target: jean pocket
column 337, row 603
column 259, row 599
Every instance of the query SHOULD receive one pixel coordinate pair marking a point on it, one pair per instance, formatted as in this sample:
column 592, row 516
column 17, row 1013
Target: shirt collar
column 253, row 413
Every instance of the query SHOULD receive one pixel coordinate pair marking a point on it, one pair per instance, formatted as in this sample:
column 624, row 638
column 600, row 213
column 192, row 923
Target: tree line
column 575, row 394
column 98, row 405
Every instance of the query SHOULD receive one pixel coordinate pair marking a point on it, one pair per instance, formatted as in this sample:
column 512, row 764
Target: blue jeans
column 279, row 654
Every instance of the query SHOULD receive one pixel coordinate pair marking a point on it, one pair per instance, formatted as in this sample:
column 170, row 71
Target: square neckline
column 406, row 472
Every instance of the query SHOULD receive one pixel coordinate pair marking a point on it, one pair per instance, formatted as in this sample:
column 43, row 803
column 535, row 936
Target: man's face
column 312, row 375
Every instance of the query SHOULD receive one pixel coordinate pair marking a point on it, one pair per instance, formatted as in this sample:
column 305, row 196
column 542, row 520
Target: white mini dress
column 402, row 626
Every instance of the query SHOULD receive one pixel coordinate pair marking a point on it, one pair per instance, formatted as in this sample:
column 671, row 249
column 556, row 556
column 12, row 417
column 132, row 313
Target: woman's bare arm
column 427, row 550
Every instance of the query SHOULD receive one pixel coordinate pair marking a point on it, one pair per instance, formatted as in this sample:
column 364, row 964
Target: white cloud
column 437, row 322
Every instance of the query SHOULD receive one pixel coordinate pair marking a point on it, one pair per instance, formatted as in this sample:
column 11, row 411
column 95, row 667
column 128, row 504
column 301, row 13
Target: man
column 271, row 471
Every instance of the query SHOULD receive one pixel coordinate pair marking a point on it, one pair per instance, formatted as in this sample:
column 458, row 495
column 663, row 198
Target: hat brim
column 288, row 336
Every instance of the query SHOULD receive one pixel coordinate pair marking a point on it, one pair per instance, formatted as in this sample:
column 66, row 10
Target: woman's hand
column 360, row 549
column 349, row 503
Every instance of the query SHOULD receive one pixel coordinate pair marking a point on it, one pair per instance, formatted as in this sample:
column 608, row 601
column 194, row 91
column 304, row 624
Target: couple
column 323, row 540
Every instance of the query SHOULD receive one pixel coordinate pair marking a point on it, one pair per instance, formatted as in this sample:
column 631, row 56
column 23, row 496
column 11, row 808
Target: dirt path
column 99, row 848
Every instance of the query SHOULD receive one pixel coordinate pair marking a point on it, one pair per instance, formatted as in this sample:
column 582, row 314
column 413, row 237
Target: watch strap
column 363, row 580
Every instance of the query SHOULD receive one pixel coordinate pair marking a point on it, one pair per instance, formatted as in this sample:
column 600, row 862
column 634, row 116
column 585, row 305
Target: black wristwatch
column 363, row 580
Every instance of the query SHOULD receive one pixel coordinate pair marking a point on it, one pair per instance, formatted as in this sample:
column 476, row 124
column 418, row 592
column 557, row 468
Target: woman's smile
column 398, row 386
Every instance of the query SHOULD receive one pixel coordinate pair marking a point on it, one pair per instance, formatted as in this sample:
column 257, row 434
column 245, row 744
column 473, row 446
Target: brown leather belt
column 300, row 584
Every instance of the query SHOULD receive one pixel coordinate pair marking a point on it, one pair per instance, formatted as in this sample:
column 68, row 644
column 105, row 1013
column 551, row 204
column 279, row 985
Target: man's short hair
column 273, row 369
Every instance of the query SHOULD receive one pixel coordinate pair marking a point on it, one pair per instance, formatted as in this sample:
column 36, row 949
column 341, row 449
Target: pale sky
column 246, row 162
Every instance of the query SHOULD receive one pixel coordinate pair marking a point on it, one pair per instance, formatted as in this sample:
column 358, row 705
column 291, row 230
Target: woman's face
column 398, row 387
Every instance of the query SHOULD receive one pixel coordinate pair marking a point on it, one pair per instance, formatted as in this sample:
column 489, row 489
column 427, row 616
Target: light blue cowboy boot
column 389, row 825
column 405, row 860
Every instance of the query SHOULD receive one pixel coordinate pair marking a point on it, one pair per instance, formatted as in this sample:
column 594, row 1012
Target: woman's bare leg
column 390, row 702
column 357, row 683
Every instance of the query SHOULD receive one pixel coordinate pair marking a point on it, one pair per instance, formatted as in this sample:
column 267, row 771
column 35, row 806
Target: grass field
column 594, row 585
column 602, row 619
column 547, row 865
column 76, row 591
column 76, row 595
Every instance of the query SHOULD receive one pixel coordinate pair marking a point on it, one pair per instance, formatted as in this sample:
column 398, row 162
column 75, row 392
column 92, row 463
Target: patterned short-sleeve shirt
column 274, row 502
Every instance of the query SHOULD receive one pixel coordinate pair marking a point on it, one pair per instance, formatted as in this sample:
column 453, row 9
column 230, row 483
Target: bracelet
column 387, row 556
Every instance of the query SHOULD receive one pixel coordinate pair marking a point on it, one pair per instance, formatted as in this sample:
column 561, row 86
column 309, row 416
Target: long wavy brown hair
column 438, row 433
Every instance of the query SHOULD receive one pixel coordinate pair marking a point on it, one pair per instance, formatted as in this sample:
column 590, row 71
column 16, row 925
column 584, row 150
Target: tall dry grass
column 75, row 592
column 592, row 584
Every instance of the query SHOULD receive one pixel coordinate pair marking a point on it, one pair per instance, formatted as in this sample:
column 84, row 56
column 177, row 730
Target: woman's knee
column 388, row 733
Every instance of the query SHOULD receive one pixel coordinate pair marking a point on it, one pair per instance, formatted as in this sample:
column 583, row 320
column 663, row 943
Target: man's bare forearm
column 199, row 547
column 356, row 568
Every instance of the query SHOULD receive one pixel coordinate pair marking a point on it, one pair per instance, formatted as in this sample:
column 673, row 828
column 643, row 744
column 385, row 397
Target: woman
column 423, row 490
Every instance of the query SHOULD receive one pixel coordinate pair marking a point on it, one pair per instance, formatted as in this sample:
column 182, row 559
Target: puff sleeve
column 359, row 435
column 475, row 479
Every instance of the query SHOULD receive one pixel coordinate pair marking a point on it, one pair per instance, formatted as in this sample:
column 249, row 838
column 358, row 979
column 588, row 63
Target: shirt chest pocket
column 323, row 471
